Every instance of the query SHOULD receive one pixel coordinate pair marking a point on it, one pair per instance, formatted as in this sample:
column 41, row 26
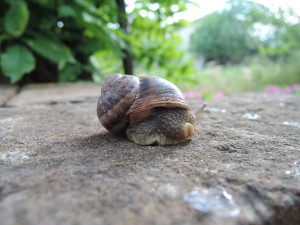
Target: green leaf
column 69, row 73
column 89, row 5
column 66, row 11
column 16, row 19
column 16, row 61
column 51, row 49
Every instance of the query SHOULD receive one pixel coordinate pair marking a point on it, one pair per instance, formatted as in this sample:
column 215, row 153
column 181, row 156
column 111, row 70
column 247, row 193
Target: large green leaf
column 51, row 49
column 16, row 18
column 16, row 61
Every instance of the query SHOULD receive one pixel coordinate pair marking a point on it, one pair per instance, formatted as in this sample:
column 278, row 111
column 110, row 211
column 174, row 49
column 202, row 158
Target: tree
column 282, row 41
column 123, row 22
column 58, row 40
column 229, row 35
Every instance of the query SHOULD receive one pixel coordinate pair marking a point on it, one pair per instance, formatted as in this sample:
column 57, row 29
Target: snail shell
column 126, row 100
column 117, row 96
column 132, row 104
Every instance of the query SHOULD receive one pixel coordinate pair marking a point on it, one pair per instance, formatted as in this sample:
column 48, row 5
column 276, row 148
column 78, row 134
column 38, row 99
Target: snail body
column 148, row 109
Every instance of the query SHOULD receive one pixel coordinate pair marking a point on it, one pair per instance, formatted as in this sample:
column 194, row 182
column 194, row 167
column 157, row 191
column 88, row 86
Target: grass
column 253, row 75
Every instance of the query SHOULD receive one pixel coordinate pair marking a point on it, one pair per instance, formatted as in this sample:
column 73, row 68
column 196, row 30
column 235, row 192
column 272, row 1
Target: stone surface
column 6, row 93
column 59, row 166
column 52, row 93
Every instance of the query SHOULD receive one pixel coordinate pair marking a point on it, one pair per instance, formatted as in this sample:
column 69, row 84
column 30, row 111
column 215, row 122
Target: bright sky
column 207, row 7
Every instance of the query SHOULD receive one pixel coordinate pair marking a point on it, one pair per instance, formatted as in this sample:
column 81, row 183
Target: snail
column 150, row 110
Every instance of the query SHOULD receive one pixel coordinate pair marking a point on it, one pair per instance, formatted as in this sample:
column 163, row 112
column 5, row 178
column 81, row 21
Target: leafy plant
column 16, row 61
column 66, row 40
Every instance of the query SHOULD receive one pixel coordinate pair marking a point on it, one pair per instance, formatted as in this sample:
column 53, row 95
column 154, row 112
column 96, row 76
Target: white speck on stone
column 14, row 156
column 292, row 124
column 169, row 190
column 6, row 120
column 252, row 116
column 25, row 157
column 297, row 168
column 213, row 200
column 214, row 109
column 228, row 165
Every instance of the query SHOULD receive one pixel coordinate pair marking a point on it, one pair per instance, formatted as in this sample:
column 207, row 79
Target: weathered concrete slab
column 52, row 93
column 59, row 166
column 6, row 93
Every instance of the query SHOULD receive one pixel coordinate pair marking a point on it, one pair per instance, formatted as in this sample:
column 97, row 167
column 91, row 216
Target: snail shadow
column 108, row 146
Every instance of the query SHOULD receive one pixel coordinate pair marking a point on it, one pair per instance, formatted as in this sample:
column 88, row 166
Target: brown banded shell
column 155, row 92
column 127, row 100
column 117, row 96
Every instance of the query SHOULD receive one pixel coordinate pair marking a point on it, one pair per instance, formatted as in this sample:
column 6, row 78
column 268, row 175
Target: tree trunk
column 123, row 22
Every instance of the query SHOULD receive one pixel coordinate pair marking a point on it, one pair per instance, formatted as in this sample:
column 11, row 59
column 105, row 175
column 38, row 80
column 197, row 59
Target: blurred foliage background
column 247, row 46
column 243, row 47
column 71, row 40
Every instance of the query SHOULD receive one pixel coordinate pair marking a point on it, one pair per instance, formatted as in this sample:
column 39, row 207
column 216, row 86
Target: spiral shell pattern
column 127, row 100
column 117, row 96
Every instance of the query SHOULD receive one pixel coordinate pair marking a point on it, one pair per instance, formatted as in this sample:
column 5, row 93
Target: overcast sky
column 207, row 7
